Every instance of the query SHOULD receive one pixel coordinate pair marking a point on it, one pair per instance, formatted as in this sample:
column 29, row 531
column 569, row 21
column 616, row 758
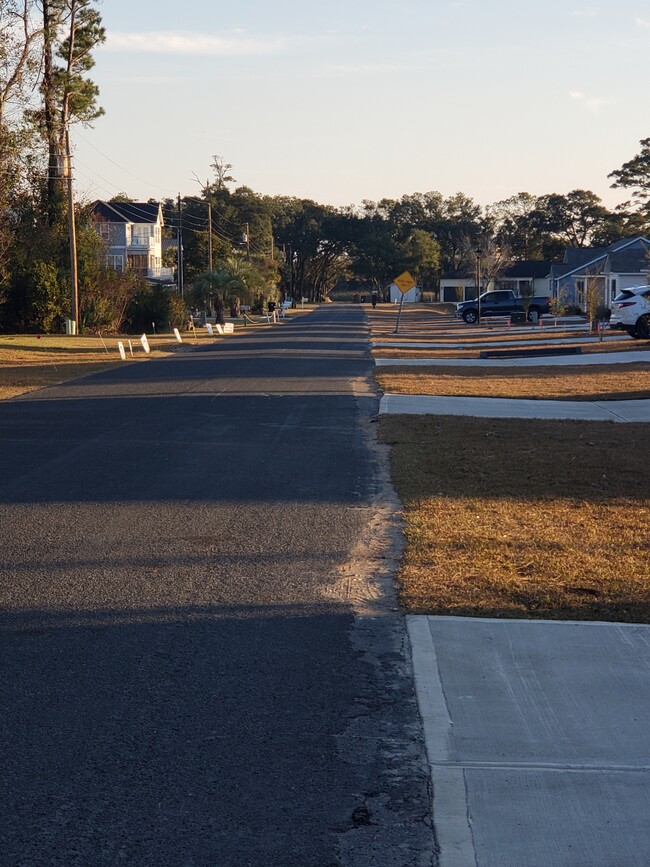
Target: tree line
column 256, row 247
column 306, row 248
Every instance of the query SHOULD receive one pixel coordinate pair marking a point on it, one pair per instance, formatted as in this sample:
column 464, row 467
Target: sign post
column 405, row 282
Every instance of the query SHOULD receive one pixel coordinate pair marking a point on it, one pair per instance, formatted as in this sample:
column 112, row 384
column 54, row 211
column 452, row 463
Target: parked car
column 631, row 312
column 502, row 302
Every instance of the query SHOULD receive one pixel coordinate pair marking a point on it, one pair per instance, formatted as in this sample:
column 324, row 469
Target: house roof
column 578, row 259
column 629, row 261
column 128, row 212
column 529, row 268
column 576, row 256
column 462, row 275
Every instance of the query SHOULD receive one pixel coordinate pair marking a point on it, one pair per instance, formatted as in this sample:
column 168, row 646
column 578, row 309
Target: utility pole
column 180, row 247
column 291, row 272
column 479, row 252
column 210, row 237
column 209, row 204
column 74, row 285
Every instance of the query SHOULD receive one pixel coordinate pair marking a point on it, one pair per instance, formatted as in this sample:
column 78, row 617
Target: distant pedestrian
column 374, row 300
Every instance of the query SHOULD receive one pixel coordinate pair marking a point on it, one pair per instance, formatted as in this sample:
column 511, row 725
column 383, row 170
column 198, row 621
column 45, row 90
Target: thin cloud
column 370, row 68
column 591, row 103
column 595, row 103
column 151, row 79
column 644, row 23
column 588, row 12
column 162, row 42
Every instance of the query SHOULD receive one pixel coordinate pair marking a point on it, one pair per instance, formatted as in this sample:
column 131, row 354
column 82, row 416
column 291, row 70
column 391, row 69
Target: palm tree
column 235, row 282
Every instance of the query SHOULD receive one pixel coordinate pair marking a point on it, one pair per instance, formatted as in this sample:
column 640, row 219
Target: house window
column 580, row 292
column 141, row 235
column 139, row 263
column 116, row 263
column 508, row 284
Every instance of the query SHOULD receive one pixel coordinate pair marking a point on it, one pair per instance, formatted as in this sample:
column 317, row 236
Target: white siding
column 413, row 294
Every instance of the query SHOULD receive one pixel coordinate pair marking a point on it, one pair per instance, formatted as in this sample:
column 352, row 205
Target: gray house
column 619, row 266
column 132, row 235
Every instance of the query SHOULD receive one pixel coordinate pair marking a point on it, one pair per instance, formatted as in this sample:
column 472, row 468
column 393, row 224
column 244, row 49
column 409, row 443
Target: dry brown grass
column 519, row 518
column 596, row 382
column 28, row 362
column 456, row 337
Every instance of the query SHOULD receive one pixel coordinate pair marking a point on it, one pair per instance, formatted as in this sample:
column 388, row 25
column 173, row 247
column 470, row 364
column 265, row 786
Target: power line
column 200, row 224
column 153, row 186
column 190, row 221
column 110, row 183
column 197, row 224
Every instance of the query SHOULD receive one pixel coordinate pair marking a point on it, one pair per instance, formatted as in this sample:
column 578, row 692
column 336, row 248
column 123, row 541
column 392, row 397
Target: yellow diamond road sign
column 405, row 282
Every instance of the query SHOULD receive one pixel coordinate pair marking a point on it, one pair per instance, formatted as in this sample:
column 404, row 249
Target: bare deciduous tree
column 20, row 35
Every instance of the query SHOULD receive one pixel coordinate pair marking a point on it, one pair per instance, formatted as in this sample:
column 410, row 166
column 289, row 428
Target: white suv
column 631, row 312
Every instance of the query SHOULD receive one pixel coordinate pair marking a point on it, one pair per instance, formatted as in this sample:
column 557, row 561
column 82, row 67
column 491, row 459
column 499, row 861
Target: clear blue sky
column 346, row 100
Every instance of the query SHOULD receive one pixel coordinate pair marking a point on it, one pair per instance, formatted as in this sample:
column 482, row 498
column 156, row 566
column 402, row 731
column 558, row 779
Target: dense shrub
column 45, row 298
column 154, row 307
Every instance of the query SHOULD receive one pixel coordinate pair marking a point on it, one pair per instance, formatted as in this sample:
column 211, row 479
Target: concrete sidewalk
column 542, row 361
column 538, row 740
column 497, row 407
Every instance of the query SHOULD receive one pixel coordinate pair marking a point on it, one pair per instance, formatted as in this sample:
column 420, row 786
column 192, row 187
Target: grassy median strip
column 521, row 518
column 565, row 382
column 453, row 338
column 454, row 350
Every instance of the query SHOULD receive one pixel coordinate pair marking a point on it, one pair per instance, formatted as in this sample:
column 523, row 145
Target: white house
column 526, row 277
column 132, row 233
column 456, row 287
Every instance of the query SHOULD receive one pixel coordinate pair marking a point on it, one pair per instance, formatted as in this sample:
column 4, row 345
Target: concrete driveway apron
column 538, row 740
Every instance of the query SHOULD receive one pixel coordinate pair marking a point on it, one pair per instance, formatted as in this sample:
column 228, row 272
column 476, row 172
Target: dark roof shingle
column 127, row 212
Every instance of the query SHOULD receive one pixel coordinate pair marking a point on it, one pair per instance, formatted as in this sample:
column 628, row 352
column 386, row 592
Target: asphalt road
column 188, row 675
